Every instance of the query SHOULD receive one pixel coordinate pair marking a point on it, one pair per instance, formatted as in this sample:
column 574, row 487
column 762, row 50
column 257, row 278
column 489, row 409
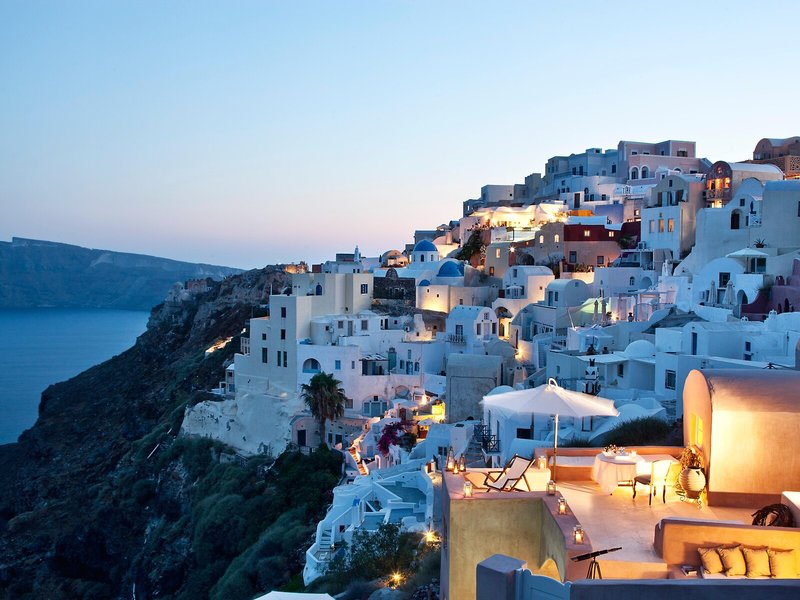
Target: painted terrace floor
column 617, row 519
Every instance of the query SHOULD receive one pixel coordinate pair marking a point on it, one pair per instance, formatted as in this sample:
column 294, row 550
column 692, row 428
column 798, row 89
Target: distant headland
column 36, row 273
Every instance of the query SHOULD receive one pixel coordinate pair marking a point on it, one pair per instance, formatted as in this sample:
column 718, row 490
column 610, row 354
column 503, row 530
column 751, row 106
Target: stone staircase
column 362, row 469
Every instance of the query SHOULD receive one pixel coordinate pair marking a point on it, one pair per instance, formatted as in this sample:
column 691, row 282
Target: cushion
column 733, row 561
column 757, row 561
column 782, row 563
column 710, row 559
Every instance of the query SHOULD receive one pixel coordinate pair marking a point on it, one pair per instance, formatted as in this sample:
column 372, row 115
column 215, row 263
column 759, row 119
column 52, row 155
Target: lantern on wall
column 577, row 534
column 562, row 505
column 551, row 488
column 467, row 489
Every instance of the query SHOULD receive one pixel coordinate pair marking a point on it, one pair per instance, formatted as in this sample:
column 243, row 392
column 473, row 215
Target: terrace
column 527, row 525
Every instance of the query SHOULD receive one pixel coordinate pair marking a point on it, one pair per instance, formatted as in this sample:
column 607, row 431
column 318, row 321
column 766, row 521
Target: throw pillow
column 710, row 559
column 757, row 561
column 782, row 563
column 733, row 561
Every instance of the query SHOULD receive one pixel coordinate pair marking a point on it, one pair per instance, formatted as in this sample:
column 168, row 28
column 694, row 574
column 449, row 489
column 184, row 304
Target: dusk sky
column 248, row 133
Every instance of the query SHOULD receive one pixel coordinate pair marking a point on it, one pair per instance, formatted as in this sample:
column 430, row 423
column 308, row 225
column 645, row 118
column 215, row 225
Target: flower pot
column 693, row 481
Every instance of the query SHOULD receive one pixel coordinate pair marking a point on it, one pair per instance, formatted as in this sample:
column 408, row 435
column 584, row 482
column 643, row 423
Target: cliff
column 102, row 498
column 36, row 273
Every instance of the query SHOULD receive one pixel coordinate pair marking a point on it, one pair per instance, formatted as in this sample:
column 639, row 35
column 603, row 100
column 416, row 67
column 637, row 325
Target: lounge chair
column 660, row 471
column 511, row 474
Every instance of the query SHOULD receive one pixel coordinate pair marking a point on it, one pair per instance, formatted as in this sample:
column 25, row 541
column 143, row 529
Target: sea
column 42, row 346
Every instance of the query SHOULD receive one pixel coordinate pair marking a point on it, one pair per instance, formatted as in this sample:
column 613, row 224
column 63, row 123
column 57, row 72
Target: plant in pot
column 692, row 478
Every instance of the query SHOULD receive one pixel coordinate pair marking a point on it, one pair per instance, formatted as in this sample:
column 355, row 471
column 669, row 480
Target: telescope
column 594, row 567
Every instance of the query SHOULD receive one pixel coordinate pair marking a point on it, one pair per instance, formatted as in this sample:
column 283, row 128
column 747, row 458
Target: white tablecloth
column 608, row 471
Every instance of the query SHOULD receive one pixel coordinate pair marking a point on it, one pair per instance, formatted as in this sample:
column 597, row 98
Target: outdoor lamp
column 577, row 534
column 455, row 467
column 541, row 462
column 467, row 489
column 450, row 461
column 562, row 505
column 551, row 488
column 462, row 464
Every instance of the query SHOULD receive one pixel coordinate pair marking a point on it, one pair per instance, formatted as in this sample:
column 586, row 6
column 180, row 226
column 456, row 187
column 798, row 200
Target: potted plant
column 760, row 243
column 692, row 478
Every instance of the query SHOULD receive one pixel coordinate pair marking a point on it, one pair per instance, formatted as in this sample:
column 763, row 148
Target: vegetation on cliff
column 102, row 499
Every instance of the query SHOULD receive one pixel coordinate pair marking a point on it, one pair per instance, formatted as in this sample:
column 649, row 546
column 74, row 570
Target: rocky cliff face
column 35, row 273
column 102, row 499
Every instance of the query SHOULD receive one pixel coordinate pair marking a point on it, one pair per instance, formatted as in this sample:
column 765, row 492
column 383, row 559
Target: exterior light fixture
column 577, row 534
column 562, row 505
column 430, row 536
column 467, row 489
column 551, row 488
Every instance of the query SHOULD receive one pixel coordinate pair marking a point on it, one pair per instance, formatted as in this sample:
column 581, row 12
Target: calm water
column 47, row 345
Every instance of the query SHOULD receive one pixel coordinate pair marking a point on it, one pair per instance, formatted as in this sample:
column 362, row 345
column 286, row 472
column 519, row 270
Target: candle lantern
column 450, row 460
column 455, row 468
column 577, row 534
column 541, row 462
column 562, row 505
column 467, row 489
column 462, row 464
column 551, row 488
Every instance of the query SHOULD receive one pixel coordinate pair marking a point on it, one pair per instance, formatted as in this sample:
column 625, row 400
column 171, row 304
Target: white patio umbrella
column 712, row 292
column 730, row 297
column 551, row 399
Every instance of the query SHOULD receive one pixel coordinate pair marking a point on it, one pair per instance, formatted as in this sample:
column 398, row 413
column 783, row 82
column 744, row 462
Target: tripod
column 594, row 569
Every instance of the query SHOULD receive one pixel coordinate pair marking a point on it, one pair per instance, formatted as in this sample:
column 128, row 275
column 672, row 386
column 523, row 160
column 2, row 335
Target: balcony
column 456, row 338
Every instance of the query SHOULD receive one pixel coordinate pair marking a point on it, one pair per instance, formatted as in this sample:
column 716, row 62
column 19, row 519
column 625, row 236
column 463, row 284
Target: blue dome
column 449, row 269
column 424, row 282
column 425, row 246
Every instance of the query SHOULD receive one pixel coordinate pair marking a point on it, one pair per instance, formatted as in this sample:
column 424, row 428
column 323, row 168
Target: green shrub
column 645, row 431
column 577, row 442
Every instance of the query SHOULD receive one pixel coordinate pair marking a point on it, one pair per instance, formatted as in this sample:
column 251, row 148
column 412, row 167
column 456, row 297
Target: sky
column 251, row 133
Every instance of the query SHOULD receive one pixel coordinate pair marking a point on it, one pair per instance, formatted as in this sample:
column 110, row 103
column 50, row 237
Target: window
column 661, row 226
column 652, row 226
column 337, row 365
column 587, row 233
column 541, row 237
column 683, row 153
column 285, row 359
column 340, row 324
column 613, row 169
column 352, row 364
column 669, row 380
column 364, row 325
column 265, row 355
column 645, row 172
column 278, row 358
column 670, row 183
column 632, row 281
column 573, row 257
column 611, row 234
column 264, row 337
column 621, row 370
column 670, row 225
column 601, row 260
column 557, row 238
column 283, row 334
column 724, row 278
column 283, row 312
column 497, row 253
column 402, row 364
column 364, row 288
column 478, row 328
column 524, row 434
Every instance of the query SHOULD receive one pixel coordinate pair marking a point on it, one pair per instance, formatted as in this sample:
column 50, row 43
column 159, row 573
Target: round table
column 609, row 470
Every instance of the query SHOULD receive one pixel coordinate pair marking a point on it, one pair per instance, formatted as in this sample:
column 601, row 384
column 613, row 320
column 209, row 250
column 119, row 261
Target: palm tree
column 325, row 399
